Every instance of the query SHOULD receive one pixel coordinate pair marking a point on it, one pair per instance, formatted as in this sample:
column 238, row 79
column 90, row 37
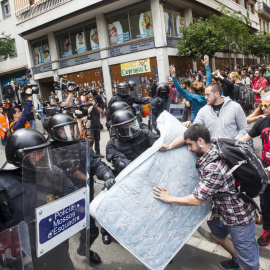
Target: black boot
column 94, row 257
column 106, row 239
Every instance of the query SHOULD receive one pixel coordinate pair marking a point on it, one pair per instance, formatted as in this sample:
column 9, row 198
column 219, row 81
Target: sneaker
column 230, row 264
column 264, row 239
column 100, row 155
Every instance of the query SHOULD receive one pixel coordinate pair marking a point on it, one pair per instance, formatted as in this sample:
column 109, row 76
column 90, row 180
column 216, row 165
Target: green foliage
column 234, row 29
column 199, row 39
column 257, row 45
column 228, row 32
column 7, row 47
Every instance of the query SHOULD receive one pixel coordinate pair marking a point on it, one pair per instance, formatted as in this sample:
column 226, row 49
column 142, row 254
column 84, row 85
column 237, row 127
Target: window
column 78, row 40
column 5, row 9
column 41, row 52
column 174, row 20
column 130, row 25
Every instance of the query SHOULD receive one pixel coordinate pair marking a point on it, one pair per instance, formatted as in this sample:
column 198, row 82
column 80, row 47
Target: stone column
column 104, row 44
column 160, row 40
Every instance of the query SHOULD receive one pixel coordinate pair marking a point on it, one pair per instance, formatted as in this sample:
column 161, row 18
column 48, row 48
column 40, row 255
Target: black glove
column 109, row 183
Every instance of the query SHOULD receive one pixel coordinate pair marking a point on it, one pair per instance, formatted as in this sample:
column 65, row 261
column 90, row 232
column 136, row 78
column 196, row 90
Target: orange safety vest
column 3, row 124
column 26, row 125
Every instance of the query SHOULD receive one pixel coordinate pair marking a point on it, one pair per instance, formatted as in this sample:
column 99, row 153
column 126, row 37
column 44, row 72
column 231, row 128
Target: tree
column 258, row 45
column 234, row 29
column 7, row 47
column 199, row 39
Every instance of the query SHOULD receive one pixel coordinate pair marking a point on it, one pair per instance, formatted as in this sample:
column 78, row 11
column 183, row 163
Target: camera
column 24, row 86
column 84, row 109
column 51, row 110
column 63, row 86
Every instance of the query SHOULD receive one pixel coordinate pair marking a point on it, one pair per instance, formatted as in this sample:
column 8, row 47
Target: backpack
column 243, row 95
column 246, row 167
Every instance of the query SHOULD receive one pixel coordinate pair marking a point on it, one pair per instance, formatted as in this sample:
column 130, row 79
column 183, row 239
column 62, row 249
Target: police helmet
column 123, row 89
column 125, row 125
column 94, row 91
column 21, row 143
column 132, row 85
column 63, row 128
column 119, row 105
column 163, row 90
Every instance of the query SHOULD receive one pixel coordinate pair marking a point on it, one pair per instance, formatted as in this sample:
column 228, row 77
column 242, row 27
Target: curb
column 264, row 252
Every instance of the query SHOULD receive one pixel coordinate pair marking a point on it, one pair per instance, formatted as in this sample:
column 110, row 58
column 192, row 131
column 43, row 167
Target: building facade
column 101, row 43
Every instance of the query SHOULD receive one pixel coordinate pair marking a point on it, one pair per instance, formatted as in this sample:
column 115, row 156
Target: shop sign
column 172, row 42
column 80, row 60
column 42, row 69
column 135, row 67
column 132, row 48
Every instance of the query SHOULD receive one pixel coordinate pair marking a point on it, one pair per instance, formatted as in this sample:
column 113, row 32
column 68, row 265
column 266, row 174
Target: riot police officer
column 160, row 103
column 123, row 94
column 129, row 142
column 25, row 150
column 152, row 87
column 63, row 130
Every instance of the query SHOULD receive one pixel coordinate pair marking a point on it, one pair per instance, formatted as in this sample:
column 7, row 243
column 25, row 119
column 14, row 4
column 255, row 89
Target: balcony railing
column 42, row 8
column 263, row 10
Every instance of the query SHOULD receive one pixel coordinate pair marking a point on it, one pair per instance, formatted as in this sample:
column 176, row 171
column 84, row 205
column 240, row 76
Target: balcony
column 40, row 9
column 263, row 10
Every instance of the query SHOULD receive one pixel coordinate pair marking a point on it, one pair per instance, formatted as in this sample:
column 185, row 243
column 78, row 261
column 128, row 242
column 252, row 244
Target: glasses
column 264, row 105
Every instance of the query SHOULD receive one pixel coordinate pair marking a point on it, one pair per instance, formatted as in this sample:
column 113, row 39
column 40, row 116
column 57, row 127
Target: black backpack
column 243, row 95
column 246, row 167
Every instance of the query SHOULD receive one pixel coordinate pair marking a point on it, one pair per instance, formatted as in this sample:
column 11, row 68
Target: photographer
column 95, row 112
column 17, row 118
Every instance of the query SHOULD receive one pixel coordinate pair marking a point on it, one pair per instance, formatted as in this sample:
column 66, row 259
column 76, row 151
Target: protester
column 258, row 83
column 261, row 128
column 3, row 125
column 214, row 178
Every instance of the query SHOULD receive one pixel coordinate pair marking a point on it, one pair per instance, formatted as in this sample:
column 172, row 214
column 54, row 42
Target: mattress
column 153, row 231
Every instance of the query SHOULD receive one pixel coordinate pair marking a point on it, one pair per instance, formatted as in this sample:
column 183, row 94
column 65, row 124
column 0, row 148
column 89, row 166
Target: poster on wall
column 146, row 24
column 46, row 53
column 180, row 22
column 135, row 67
column 94, row 40
column 38, row 55
column 167, row 24
column 116, row 34
column 67, row 47
column 80, row 43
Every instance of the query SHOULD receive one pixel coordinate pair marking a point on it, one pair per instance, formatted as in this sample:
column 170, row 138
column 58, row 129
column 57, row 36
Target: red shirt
column 256, row 86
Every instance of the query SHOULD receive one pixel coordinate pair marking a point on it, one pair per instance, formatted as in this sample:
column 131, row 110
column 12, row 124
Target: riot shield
column 56, row 196
column 15, row 252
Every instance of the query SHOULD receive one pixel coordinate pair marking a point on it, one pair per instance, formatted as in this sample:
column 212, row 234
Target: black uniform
column 152, row 89
column 158, row 105
column 129, row 100
column 13, row 204
column 122, row 153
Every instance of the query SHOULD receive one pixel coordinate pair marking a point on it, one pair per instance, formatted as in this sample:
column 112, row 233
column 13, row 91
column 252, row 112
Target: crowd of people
column 213, row 109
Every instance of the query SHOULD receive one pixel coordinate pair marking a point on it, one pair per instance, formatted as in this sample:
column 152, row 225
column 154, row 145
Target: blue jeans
column 244, row 242
column 32, row 123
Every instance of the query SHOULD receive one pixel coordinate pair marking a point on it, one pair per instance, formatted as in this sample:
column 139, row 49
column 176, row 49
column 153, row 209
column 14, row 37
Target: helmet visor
column 129, row 130
column 124, row 91
column 67, row 133
column 37, row 160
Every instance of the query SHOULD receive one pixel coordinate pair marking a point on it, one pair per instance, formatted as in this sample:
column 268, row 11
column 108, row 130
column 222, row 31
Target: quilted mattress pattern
column 152, row 230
